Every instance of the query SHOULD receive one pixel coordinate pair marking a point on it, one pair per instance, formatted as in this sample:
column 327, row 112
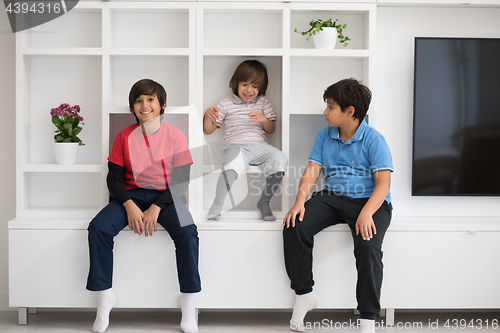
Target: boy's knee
column 282, row 161
column 183, row 215
column 96, row 226
column 186, row 234
column 229, row 175
column 109, row 220
column 368, row 249
column 294, row 233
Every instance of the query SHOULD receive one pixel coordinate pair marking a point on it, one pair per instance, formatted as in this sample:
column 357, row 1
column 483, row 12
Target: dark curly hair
column 350, row 92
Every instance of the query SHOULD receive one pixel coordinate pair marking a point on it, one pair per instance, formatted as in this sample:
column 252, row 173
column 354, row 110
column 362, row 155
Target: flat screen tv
column 456, row 125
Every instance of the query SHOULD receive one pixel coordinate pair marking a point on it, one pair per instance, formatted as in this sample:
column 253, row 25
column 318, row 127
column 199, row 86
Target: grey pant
column 240, row 157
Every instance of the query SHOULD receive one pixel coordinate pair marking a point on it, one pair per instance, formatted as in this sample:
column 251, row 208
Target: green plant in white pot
column 325, row 33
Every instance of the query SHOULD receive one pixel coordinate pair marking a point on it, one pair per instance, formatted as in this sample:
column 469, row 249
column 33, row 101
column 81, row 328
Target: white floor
column 66, row 321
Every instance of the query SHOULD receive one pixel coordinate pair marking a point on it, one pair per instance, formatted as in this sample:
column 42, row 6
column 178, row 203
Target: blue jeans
column 176, row 220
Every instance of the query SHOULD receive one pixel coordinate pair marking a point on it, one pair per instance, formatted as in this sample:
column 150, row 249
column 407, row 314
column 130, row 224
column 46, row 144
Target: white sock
column 106, row 300
column 303, row 304
column 366, row 326
column 188, row 321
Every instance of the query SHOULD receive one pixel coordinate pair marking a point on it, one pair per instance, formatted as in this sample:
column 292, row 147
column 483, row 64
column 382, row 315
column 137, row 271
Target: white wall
column 393, row 99
column 396, row 28
column 7, row 144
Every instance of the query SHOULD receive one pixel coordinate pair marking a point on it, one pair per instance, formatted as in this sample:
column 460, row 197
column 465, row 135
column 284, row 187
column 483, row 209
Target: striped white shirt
column 240, row 128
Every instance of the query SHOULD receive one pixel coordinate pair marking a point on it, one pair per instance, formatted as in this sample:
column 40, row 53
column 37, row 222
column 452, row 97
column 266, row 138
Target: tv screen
column 456, row 127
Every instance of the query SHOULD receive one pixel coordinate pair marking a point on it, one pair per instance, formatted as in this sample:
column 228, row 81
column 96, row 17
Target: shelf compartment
column 309, row 79
column 50, row 81
column 302, row 140
column 62, row 191
column 79, row 28
column 217, row 74
column 172, row 72
column 356, row 21
column 249, row 28
column 132, row 28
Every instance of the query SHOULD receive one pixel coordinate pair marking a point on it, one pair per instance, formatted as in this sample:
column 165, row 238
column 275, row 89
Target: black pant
column 323, row 210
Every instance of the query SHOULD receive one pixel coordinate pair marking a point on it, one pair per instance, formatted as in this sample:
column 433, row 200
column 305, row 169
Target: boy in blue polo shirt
column 357, row 165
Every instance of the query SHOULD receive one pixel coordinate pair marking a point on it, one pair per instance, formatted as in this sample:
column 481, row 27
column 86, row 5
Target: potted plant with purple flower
column 67, row 120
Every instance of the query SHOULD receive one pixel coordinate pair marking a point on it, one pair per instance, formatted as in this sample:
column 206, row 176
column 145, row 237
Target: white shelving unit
column 91, row 57
column 94, row 54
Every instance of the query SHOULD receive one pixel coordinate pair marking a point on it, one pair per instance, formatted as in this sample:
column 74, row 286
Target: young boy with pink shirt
column 149, row 168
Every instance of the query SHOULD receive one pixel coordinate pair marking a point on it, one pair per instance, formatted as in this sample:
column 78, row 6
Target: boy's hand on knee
column 297, row 209
column 150, row 219
column 134, row 216
column 365, row 226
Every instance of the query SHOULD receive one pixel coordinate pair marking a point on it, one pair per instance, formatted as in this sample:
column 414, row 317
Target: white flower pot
column 66, row 152
column 325, row 39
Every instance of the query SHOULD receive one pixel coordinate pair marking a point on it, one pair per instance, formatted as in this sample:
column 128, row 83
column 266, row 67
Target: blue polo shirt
column 348, row 166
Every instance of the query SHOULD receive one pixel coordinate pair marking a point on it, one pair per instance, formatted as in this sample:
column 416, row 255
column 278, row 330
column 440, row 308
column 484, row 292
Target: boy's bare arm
column 268, row 124
column 307, row 182
column 365, row 225
column 211, row 115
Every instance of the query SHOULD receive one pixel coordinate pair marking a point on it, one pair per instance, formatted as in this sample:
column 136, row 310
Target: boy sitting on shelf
column 248, row 116
column 357, row 165
column 148, row 175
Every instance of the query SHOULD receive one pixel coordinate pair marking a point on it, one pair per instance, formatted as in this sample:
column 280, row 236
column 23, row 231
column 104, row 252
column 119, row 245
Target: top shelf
column 94, row 28
column 76, row 29
column 96, row 25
